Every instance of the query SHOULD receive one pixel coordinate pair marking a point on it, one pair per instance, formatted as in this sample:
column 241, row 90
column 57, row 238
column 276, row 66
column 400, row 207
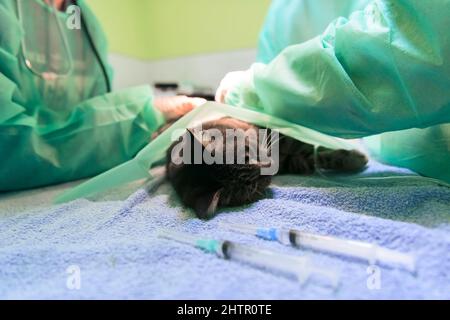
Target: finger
column 220, row 95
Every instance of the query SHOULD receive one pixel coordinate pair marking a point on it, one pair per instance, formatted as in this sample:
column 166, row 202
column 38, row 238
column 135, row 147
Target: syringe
column 362, row 250
column 300, row 267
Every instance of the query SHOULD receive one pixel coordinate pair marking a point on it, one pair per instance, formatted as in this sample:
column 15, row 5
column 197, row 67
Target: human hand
column 177, row 106
column 231, row 80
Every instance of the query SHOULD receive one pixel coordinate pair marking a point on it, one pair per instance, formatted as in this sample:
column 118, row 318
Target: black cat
column 205, row 186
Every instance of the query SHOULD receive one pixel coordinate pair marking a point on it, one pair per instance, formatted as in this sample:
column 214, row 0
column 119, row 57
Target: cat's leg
column 297, row 164
column 296, row 157
column 340, row 160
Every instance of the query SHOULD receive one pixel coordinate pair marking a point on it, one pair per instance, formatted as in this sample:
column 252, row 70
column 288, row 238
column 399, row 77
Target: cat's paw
column 342, row 160
column 351, row 160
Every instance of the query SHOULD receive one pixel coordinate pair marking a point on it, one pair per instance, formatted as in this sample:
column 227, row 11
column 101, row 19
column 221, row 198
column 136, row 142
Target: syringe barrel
column 300, row 267
column 352, row 248
column 361, row 250
column 266, row 259
column 366, row 251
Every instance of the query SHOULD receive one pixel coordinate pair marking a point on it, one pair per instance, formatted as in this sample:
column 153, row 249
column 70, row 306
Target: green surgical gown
column 376, row 67
column 57, row 129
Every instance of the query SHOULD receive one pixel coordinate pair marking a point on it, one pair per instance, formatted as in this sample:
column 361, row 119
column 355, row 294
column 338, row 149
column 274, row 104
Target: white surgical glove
column 232, row 80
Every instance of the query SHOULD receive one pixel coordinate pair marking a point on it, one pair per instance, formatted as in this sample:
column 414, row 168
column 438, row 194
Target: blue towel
column 111, row 248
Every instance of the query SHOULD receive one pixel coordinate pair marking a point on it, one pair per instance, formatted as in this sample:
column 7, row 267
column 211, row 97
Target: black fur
column 207, row 187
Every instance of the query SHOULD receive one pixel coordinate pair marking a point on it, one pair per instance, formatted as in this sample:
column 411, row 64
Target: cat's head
column 224, row 170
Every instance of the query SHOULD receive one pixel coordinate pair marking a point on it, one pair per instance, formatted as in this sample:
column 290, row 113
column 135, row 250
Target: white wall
column 202, row 70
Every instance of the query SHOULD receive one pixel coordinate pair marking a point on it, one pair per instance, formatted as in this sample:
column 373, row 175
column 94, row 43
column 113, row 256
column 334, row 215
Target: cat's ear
column 206, row 204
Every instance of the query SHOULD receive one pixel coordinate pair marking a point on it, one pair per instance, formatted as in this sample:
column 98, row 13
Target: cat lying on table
column 205, row 185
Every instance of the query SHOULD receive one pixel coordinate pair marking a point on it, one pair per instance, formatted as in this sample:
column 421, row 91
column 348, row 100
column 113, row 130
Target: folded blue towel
column 114, row 244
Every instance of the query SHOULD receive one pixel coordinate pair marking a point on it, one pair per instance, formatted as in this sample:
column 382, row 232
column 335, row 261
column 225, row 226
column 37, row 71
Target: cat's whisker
column 272, row 142
column 266, row 138
column 280, row 138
